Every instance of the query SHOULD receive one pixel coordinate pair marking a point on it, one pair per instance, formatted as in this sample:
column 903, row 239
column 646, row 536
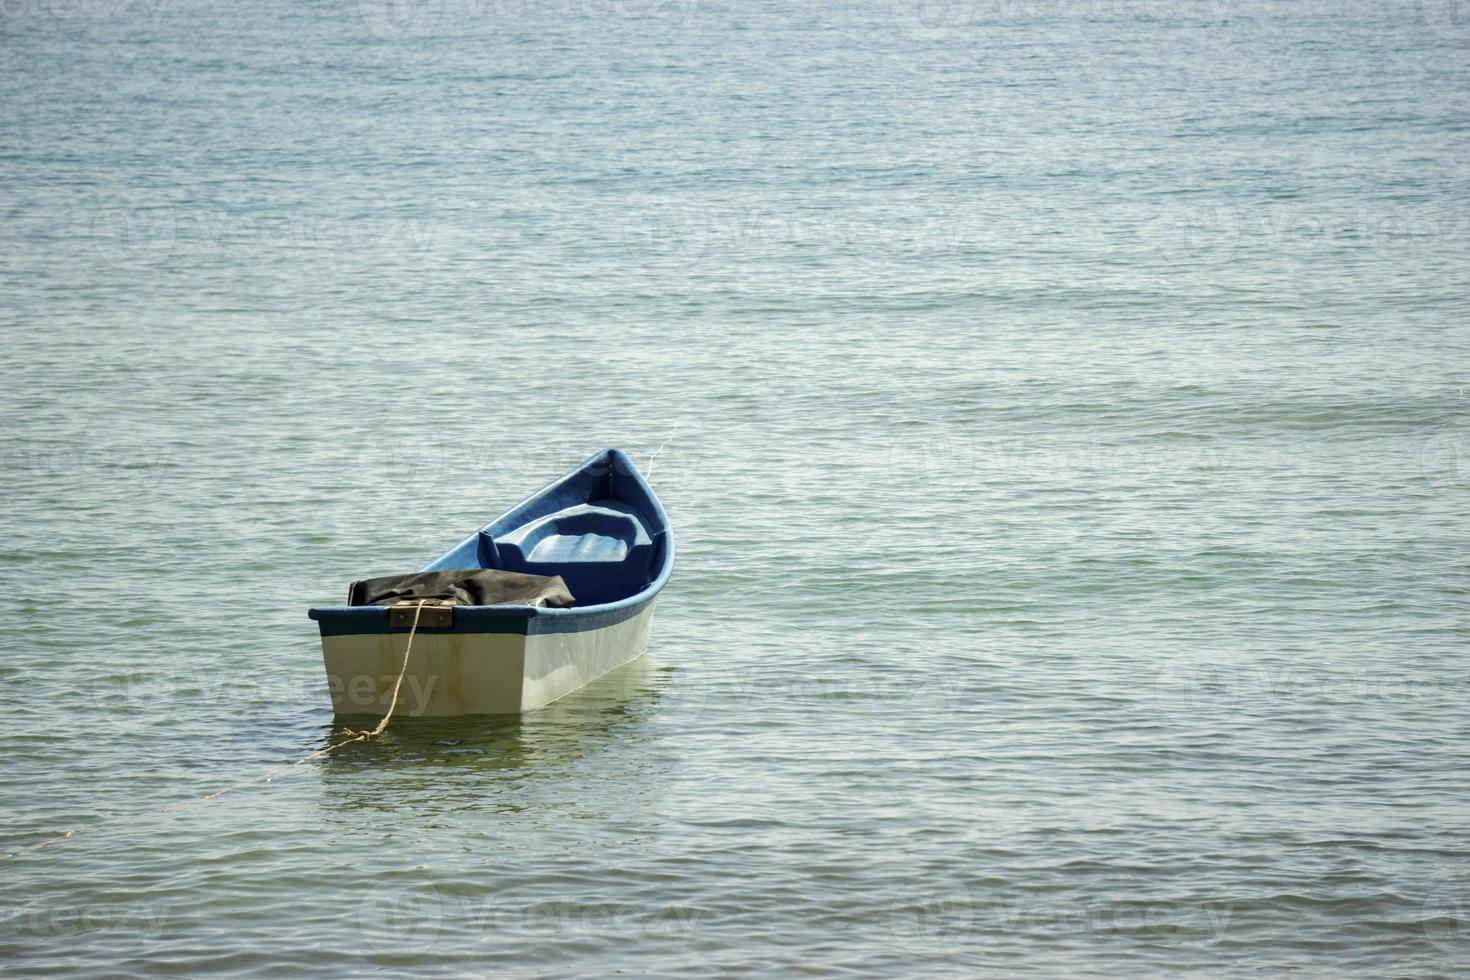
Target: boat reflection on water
column 547, row 739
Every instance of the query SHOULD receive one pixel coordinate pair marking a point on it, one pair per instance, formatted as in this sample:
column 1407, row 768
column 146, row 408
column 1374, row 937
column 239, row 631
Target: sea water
column 1070, row 456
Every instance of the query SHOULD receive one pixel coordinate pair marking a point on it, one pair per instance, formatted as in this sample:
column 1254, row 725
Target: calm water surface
column 1071, row 464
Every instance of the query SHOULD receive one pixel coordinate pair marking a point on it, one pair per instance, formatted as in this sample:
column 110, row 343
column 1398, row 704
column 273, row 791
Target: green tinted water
column 1071, row 482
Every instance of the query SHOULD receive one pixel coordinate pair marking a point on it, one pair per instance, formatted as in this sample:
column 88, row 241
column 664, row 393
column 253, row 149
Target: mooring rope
column 660, row 449
column 354, row 737
column 361, row 736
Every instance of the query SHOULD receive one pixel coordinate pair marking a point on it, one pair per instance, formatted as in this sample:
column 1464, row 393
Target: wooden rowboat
column 600, row 528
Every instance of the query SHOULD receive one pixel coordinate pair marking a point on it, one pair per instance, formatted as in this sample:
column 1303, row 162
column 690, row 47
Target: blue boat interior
column 599, row 528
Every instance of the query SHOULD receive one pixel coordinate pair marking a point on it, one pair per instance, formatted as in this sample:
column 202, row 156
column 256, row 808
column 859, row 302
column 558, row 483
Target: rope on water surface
column 352, row 738
column 361, row 736
column 660, row 449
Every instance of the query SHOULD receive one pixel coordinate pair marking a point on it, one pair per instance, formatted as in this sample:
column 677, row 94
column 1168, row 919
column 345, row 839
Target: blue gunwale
column 610, row 464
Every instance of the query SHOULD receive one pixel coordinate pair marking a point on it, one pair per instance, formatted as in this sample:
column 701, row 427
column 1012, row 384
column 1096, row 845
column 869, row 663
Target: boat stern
column 448, row 674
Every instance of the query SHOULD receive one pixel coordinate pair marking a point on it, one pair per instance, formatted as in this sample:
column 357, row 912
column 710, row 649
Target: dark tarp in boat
column 465, row 587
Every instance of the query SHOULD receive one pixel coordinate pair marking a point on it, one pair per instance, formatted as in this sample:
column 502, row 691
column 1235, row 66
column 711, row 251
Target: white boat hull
column 452, row 674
